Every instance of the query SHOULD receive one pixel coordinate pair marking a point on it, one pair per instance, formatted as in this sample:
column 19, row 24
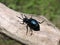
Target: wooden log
column 10, row 25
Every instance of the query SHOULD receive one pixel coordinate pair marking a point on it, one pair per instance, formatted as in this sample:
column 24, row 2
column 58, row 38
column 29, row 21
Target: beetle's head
column 25, row 19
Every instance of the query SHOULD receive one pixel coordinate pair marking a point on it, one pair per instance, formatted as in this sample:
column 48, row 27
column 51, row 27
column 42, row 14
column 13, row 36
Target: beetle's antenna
column 25, row 16
column 20, row 18
column 41, row 22
column 22, row 15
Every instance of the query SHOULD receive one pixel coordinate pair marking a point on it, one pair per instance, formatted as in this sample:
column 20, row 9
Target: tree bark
column 10, row 25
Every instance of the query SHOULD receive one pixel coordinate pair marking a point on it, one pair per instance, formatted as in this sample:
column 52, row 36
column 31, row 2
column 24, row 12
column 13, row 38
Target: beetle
column 33, row 24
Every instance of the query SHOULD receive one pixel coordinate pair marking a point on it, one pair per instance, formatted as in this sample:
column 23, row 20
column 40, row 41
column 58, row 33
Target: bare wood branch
column 10, row 25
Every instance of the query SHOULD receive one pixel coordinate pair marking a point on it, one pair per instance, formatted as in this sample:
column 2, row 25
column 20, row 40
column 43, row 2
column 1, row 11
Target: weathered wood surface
column 10, row 25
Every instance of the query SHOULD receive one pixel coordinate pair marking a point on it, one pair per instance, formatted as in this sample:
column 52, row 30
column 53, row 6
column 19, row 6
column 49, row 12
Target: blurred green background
column 49, row 8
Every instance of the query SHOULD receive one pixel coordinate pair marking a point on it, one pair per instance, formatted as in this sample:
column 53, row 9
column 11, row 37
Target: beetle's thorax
column 25, row 20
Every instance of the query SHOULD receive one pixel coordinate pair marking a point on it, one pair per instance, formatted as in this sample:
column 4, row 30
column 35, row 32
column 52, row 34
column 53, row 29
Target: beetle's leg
column 27, row 29
column 41, row 22
column 31, row 31
column 20, row 18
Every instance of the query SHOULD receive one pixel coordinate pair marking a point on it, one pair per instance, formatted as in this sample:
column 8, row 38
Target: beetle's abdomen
column 33, row 24
column 36, row 28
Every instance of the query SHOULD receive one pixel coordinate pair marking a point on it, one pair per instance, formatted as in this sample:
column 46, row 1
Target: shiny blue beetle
column 33, row 24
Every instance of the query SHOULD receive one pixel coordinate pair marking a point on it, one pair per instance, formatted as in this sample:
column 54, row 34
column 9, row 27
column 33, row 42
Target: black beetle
column 33, row 24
